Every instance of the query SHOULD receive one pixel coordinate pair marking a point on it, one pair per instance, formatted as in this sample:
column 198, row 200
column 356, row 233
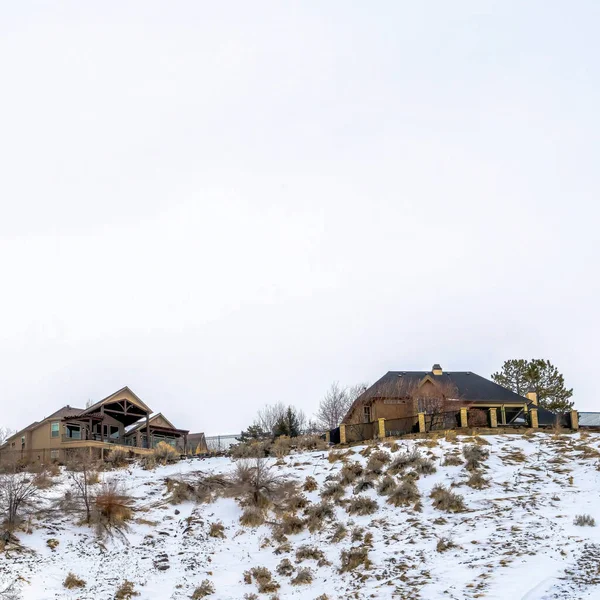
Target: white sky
column 223, row 204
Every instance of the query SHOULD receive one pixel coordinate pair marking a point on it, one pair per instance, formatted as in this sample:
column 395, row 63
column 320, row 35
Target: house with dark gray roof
column 404, row 394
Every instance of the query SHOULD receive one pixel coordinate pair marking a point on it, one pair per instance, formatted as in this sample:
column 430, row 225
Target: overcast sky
column 227, row 204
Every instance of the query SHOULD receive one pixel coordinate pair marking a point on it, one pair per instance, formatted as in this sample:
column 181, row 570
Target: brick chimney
column 436, row 369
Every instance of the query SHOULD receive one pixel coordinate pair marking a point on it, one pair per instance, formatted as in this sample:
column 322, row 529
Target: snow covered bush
column 354, row 557
column 584, row 521
column 206, row 588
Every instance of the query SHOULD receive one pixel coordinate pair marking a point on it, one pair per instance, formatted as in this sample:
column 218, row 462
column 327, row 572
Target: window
column 22, row 440
column 54, row 454
column 55, row 429
column 367, row 414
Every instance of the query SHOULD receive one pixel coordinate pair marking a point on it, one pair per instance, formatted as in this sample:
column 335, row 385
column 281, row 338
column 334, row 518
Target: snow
column 516, row 540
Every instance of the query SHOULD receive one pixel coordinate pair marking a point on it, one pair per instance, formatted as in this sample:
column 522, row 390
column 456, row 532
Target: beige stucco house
column 122, row 419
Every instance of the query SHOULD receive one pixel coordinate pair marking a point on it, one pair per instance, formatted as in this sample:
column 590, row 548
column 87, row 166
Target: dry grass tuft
column 307, row 552
column 217, row 530
column 405, row 494
column 317, row 514
column 404, row 460
column 73, row 582
column 361, row 505
column 350, row 472
column 206, row 588
column 364, row 484
column 118, row 458
column 444, row 544
column 113, row 507
column 451, row 459
column 339, row 533
column 290, row 524
column 474, row 455
column 126, row 591
column 386, row 486
column 353, row 558
column 310, row 484
column 477, row 481
column 285, row 568
column 252, row 516
column 303, row 577
column 444, row 499
column 333, row 490
column 264, row 580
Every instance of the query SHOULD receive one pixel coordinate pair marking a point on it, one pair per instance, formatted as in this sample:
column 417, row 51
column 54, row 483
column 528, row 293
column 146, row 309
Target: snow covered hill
column 514, row 538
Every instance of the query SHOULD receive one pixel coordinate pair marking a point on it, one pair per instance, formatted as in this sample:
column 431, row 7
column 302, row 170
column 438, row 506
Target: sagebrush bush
column 381, row 456
column 452, row 460
column 386, row 486
column 353, row 558
column 307, row 552
column 255, row 483
column 112, row 507
column 206, row 588
column 209, row 487
column 350, row 472
column 333, row 490
column 310, row 442
column 180, row 491
column 584, row 521
column 317, row 514
column 404, row 460
column 290, row 524
column 254, row 449
column 118, row 458
column 361, row 505
column 285, row 568
column 264, row 580
column 424, row 466
column 474, row 454
column 404, row 494
column 295, row 502
column 446, row 500
column 72, row 582
column 165, row 454
column 363, row 484
column 281, row 447
column 303, row 577
column 339, row 533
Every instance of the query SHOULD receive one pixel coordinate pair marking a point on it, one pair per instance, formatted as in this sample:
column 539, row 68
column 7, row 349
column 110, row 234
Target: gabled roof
column 59, row 414
column 142, row 423
column 114, row 397
column 470, row 387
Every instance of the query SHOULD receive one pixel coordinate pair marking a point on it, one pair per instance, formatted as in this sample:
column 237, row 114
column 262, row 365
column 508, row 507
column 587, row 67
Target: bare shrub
column 381, row 456
column 43, row 480
column 311, row 442
column 181, row 491
column 209, row 487
column 425, row 466
column 112, row 508
column 255, row 483
column 303, row 577
column 81, row 470
column 444, row 544
column 285, row 568
column 477, row 481
column 17, row 496
column 252, row 516
column 306, row 552
column 254, row 449
column 374, row 465
column 446, row 500
column 350, row 472
column 117, row 458
column 361, row 505
column 310, row 484
column 317, row 514
column 474, row 455
column 206, row 588
column 217, row 530
column 333, row 491
column 386, row 486
column 404, row 494
column 584, row 521
column 282, row 446
column 295, row 502
column 126, row 591
column 353, row 558
column 165, row 454
column 358, row 534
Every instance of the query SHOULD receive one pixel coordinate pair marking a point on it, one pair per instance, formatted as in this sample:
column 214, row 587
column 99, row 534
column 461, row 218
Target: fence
column 396, row 427
column 221, row 443
column 360, row 431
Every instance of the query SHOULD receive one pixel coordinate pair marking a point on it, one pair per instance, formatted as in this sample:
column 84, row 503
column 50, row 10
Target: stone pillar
column 421, row 422
column 493, row 417
column 503, row 415
column 342, row 434
column 531, row 395
column 327, row 437
column 464, row 420
column 381, row 428
column 534, row 417
column 574, row 420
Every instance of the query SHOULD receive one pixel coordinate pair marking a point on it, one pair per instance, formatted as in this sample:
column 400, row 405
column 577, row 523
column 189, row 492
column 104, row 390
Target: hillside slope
column 515, row 538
